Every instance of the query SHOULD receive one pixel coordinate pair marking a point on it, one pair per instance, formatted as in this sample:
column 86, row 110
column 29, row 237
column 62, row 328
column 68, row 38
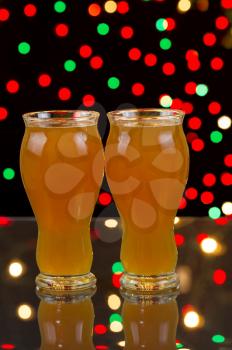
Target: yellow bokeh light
column 227, row 208
column 111, row 223
column 116, row 326
column 184, row 5
column 15, row 269
column 176, row 220
column 191, row 319
column 114, row 302
column 25, row 312
column 224, row 122
column 110, row 6
column 122, row 343
column 209, row 245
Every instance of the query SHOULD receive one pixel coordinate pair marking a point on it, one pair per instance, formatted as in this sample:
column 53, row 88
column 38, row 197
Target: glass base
column 132, row 285
column 65, row 285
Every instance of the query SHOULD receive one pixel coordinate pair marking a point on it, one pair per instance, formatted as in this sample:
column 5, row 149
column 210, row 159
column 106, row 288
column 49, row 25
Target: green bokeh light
column 24, row 48
column 60, row 6
column 202, row 90
column 161, row 24
column 166, row 101
column 8, row 173
column 70, row 65
column 113, row 83
column 165, row 44
column 179, row 345
column 218, row 338
column 117, row 267
column 103, row 29
column 214, row 213
column 115, row 317
column 216, row 136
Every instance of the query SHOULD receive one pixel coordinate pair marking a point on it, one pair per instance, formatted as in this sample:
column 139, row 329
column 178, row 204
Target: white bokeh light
column 209, row 245
column 15, row 269
column 224, row 122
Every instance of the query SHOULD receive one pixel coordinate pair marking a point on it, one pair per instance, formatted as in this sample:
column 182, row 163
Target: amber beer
column 67, row 326
column 150, row 324
column 147, row 163
column 62, row 168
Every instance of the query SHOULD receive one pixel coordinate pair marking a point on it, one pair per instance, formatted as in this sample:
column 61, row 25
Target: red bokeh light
column 3, row 113
column 219, row 276
column 179, row 239
column 188, row 107
column 96, row 62
column 209, row 39
column 122, row 7
column 222, row 22
column 171, row 24
column 61, row 30
column 183, row 203
column 116, row 279
column 168, row 68
column 100, row 329
column 191, row 55
column 227, row 159
column 5, row 221
column 30, row 10
column 64, row 94
column 227, row 4
column 194, row 123
column 7, row 346
column 12, row 86
column 127, row 32
column 191, row 193
column 102, row 347
column 190, row 88
column 198, row 145
column 137, row 89
column 44, row 80
column 223, row 220
column 214, row 107
column 186, row 308
column 177, row 103
column 104, row 198
column 191, row 136
column 150, row 59
column 194, row 65
column 4, row 14
column 216, row 63
column 88, row 100
column 209, row 179
column 226, row 179
column 134, row 54
column 94, row 10
column 201, row 236
column 207, row 197
column 85, row 51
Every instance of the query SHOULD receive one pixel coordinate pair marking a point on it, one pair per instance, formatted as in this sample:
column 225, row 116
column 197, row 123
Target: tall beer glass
column 147, row 163
column 62, row 165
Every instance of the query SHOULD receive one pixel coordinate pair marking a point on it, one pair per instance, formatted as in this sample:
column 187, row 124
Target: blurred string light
column 110, row 6
column 16, row 268
column 216, row 136
column 25, row 312
column 94, row 10
column 24, row 48
column 100, row 329
column 7, row 346
column 219, row 277
column 70, row 65
column 192, row 319
column 209, row 245
column 117, row 267
column 122, row 343
column 176, row 220
column 165, row 44
column 115, row 317
column 103, row 28
column 60, row 6
column 114, row 302
column 111, row 223
column 8, row 174
column 184, row 6
column 165, row 101
column 214, row 213
column 113, row 83
column 116, row 327
column 218, row 339
column 202, row 89
column 224, row 122
column 227, row 208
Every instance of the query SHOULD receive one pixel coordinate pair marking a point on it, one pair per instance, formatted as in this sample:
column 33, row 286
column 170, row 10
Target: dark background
column 49, row 51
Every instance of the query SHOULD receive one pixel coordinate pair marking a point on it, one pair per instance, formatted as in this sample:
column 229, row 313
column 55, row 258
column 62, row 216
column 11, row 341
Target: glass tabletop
column 199, row 318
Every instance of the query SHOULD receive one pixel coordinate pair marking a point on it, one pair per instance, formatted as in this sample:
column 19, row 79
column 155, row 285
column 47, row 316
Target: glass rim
column 141, row 112
column 81, row 112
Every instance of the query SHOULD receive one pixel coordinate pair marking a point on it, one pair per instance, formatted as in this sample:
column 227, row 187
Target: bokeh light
column 94, row 10
column 111, row 223
column 103, row 28
column 113, row 83
column 25, row 312
column 61, row 30
column 110, row 6
column 30, row 10
column 209, row 245
column 114, row 302
column 16, row 269
column 191, row 319
column 4, row 14
column 116, row 327
column 219, row 277
column 60, row 6
column 227, row 208
column 218, row 338
column 224, row 122
column 214, row 213
column 8, row 174
column 184, row 5
column 70, row 65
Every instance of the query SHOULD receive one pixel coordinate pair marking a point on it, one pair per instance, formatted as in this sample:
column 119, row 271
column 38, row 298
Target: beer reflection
column 150, row 324
column 66, row 325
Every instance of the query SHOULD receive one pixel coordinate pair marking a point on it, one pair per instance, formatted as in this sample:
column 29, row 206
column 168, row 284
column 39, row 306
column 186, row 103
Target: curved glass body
column 147, row 164
column 62, row 167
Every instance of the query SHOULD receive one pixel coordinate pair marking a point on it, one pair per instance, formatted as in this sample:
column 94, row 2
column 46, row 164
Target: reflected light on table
column 116, row 327
column 25, row 312
column 111, row 223
column 114, row 302
column 122, row 343
column 177, row 219
column 16, row 268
